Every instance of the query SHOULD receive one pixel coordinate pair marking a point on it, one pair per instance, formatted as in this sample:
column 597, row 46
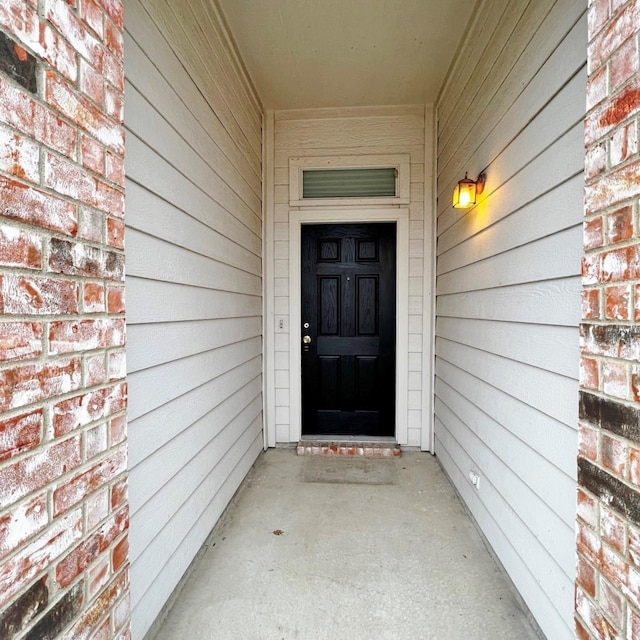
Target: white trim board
column 346, row 216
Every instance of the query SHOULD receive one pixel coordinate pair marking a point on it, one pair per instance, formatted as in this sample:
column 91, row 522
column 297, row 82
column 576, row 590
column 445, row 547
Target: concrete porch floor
column 316, row 547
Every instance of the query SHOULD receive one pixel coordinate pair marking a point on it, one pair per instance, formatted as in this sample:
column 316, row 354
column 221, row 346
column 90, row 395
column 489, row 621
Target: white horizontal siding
column 194, row 287
column 349, row 132
column 508, row 294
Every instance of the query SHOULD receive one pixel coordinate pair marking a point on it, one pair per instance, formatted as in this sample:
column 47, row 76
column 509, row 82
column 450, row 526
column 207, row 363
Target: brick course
column 608, row 524
column 63, row 483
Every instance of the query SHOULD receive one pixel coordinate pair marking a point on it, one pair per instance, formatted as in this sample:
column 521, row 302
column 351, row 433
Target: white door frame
column 345, row 216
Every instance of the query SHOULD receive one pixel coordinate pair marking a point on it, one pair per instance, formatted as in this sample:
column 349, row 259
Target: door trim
column 345, row 216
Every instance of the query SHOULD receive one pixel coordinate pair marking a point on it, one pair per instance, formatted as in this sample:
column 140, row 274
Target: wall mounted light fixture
column 466, row 191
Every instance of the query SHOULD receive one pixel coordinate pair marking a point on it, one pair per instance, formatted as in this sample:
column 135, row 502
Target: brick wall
column 608, row 530
column 63, row 491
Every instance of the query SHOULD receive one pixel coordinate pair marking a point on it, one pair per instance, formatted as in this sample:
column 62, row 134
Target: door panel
column 349, row 304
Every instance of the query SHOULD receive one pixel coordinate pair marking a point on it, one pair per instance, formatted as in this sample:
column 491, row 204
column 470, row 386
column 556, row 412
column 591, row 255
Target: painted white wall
column 344, row 132
column 193, row 288
column 508, row 290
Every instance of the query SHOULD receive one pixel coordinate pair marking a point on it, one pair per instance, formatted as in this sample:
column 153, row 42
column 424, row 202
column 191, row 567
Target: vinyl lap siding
column 508, row 290
column 193, row 290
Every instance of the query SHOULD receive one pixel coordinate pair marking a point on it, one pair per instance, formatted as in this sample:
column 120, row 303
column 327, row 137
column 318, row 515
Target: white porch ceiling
column 346, row 53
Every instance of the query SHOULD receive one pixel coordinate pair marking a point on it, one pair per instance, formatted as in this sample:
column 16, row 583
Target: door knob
column 306, row 339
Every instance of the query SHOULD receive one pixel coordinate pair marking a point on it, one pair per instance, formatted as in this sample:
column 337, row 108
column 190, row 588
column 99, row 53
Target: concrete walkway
column 332, row 549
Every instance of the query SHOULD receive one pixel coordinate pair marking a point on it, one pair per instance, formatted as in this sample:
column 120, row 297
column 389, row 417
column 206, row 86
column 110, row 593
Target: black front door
column 348, row 329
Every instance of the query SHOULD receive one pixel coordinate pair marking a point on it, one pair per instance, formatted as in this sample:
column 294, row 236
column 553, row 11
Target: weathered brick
column 91, row 225
column 114, row 9
column 617, row 302
column 92, row 84
column 114, row 104
column 633, row 624
column 633, row 545
column 68, row 336
column 27, row 204
column 96, row 508
column 115, row 232
column 115, row 299
column 597, row 86
column 34, row 295
column 19, row 156
column 613, row 530
column 59, row 616
column 82, row 410
column 75, row 32
column 620, row 497
column 95, row 370
column 95, row 441
column 117, row 365
column 120, row 554
column 121, row 613
column 624, row 144
column 98, row 577
column 611, row 604
column 593, row 618
column 93, row 16
column 38, row 470
column 25, row 521
column 634, row 466
column 77, row 259
column 86, row 552
column 22, row 568
column 23, row 22
column 589, row 374
column 613, row 112
column 20, row 434
column 615, row 33
column 92, row 154
column 615, row 379
column 586, row 576
column 23, row 385
column 113, row 70
column 588, row 544
column 614, row 341
column 593, row 234
column 588, row 509
column 20, row 340
column 91, row 619
column 620, row 227
column 93, row 299
column 623, row 64
column 59, row 135
column 118, row 430
column 20, row 248
column 119, row 492
column 114, row 168
column 591, row 304
column 621, row 264
column 587, row 441
column 590, row 269
column 87, row 116
column 20, row 613
column 85, row 483
column 104, row 631
column 597, row 16
column 74, row 181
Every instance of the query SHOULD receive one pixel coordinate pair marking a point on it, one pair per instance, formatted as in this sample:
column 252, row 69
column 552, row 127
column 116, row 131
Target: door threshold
column 349, row 447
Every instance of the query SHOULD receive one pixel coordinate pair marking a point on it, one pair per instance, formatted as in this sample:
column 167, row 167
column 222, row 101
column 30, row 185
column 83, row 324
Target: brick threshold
column 348, row 449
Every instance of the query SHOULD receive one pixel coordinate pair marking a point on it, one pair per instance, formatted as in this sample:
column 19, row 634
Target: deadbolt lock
column 306, row 339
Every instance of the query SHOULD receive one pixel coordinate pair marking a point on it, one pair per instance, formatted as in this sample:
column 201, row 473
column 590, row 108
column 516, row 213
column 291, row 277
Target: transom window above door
column 340, row 180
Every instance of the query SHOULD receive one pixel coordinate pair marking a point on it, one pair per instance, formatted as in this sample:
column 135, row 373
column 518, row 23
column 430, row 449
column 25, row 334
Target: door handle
column 306, row 340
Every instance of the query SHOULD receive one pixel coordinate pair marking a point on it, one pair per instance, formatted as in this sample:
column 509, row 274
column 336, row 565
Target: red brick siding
column 608, row 525
column 64, row 514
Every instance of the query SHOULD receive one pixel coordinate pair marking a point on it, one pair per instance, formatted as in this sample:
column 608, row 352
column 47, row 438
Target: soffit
column 345, row 53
